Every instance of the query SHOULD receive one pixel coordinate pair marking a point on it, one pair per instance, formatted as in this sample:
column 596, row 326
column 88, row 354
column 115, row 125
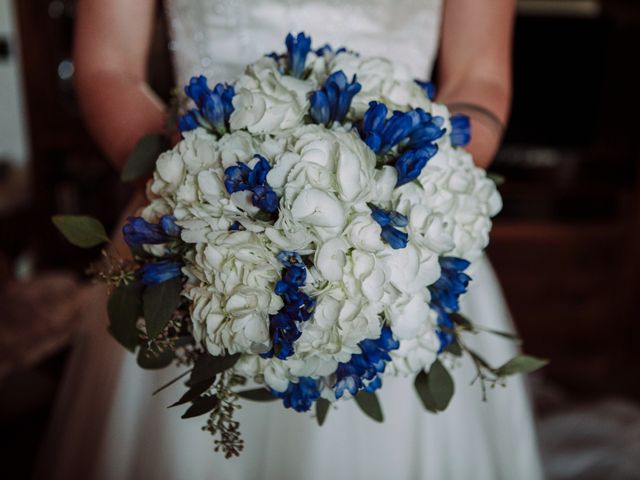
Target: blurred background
column 565, row 247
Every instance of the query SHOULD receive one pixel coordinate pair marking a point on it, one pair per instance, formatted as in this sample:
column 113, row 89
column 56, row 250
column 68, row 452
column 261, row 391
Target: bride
column 109, row 426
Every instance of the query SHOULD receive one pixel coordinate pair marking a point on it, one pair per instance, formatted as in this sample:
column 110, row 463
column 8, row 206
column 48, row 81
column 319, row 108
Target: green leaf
column 521, row 364
column 369, row 404
column 81, row 230
column 124, row 309
column 152, row 360
column 496, row 178
column 507, row 335
column 462, row 321
column 258, row 395
column 454, row 349
column 322, row 408
column 207, row 366
column 440, row 385
column 159, row 302
column 200, row 406
column 142, row 160
column 421, row 385
column 194, row 392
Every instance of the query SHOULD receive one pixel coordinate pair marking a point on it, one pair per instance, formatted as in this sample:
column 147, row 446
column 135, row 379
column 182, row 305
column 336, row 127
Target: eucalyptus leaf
column 521, row 364
column 194, row 392
column 509, row 336
column 124, row 308
column 369, row 404
column 322, row 409
column 81, row 230
column 152, row 360
column 207, row 366
column 496, row 178
column 142, row 161
column 440, row 385
column 257, row 395
column 462, row 321
column 454, row 349
column 159, row 302
column 421, row 385
column 200, row 406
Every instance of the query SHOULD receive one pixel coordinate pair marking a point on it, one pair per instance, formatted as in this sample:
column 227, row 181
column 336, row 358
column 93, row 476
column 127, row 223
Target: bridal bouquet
column 309, row 235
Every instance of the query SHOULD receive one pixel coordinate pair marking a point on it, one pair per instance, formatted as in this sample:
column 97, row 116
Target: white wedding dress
column 109, row 426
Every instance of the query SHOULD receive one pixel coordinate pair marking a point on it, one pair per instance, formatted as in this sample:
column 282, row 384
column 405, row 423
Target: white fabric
column 471, row 440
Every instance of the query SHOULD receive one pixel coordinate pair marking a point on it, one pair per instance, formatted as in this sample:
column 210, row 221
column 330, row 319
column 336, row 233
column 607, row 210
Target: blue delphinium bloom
column 241, row 177
column 388, row 221
column 137, row 231
column 326, row 48
column 300, row 396
column 445, row 294
column 460, row 130
column 331, row 103
column 159, row 272
column 213, row 107
column 361, row 371
column 298, row 306
column 298, row 48
column 428, row 87
column 413, row 130
column 411, row 163
column 289, row 259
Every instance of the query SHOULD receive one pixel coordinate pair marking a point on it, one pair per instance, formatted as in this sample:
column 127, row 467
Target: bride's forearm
column 487, row 106
column 118, row 112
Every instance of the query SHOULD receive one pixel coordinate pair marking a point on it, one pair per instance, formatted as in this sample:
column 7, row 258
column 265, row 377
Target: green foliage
column 193, row 393
column 81, row 230
column 435, row 388
column 150, row 359
column 124, row 309
column 369, row 404
column 142, row 161
column 207, row 366
column 322, row 409
column 521, row 364
column 159, row 303
column 257, row 395
column 201, row 405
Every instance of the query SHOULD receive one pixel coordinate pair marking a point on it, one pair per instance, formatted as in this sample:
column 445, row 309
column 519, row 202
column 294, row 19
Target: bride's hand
column 111, row 52
column 475, row 69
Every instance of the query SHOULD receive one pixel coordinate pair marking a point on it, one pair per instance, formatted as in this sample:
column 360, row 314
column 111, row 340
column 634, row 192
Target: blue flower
column 411, row 163
column 460, row 130
column 388, row 221
column 159, row 272
column 297, row 48
column 213, row 107
column 331, row 103
column 240, row 177
column 140, row 232
column 428, row 87
column 300, row 396
column 362, row 371
column 237, row 178
column 168, row 224
column 445, row 294
column 452, row 283
column 298, row 306
column 236, row 227
column 411, row 130
column 289, row 259
column 265, row 198
column 326, row 48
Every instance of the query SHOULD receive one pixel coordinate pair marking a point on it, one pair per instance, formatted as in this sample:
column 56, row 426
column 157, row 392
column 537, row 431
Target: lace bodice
column 218, row 38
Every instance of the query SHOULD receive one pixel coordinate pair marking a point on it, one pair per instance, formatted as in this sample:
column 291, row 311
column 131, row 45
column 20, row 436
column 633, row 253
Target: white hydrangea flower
column 267, row 102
